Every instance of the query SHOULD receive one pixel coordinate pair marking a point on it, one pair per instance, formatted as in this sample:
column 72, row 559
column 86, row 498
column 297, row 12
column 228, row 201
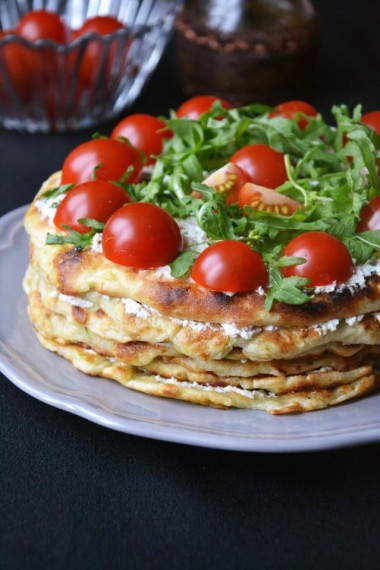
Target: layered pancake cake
column 265, row 293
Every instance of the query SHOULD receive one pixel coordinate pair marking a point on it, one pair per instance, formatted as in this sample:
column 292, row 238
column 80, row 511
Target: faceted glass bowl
column 42, row 86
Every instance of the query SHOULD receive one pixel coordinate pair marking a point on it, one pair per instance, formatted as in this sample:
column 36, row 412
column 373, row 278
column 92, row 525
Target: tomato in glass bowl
column 62, row 71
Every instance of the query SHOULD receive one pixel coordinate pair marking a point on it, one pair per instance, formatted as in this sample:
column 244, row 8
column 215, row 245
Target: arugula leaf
column 91, row 223
column 98, row 135
column 134, row 191
column 189, row 134
column 180, row 267
column 288, row 260
column 214, row 220
column 126, row 174
column 361, row 246
column 288, row 290
column 57, row 191
column 344, row 227
column 79, row 240
column 94, row 173
column 193, row 167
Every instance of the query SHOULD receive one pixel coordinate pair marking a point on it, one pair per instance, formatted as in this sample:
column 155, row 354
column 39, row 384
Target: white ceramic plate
column 51, row 379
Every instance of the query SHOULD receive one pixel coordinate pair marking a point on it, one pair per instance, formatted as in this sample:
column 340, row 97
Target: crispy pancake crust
column 291, row 402
column 314, row 379
column 106, row 318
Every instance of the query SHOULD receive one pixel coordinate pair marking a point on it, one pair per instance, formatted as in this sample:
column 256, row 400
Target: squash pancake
column 288, row 344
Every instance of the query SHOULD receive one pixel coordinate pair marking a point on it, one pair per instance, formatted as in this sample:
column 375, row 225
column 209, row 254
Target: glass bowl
column 42, row 86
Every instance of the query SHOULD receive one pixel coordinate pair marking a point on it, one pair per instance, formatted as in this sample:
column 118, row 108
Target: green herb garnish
column 78, row 240
column 57, row 191
column 332, row 186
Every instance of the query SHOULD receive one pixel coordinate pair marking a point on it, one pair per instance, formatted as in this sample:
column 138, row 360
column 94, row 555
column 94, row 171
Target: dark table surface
column 76, row 495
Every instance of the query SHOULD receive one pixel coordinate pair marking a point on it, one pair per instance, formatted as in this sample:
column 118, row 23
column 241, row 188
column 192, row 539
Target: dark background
column 75, row 495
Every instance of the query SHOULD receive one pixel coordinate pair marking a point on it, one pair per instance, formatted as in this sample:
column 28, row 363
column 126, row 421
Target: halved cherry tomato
column 43, row 25
column 226, row 180
column 145, row 132
column 372, row 120
column 110, row 156
column 264, row 165
column 327, row 259
column 102, row 25
column 370, row 216
column 141, row 235
column 97, row 199
column 289, row 109
column 196, row 106
column 267, row 200
column 230, row 266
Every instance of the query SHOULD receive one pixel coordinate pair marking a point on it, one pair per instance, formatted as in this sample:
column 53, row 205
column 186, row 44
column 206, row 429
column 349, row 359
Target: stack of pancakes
column 170, row 337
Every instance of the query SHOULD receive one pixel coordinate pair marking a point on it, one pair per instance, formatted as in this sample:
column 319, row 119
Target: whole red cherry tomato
column 370, row 216
column 264, row 165
column 230, row 266
column 110, row 156
column 145, row 132
column 18, row 64
column 97, row 199
column 327, row 259
column 372, row 120
column 141, row 235
column 289, row 109
column 226, row 180
column 92, row 57
column 267, row 200
column 43, row 25
column 195, row 107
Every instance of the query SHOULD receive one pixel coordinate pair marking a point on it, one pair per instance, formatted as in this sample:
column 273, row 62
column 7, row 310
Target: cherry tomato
column 145, row 133
column 113, row 158
column 18, row 63
column 370, row 216
column 102, row 25
column 195, row 107
column 226, row 180
column 43, row 64
column 267, row 200
column 264, row 166
column 327, row 259
column 230, row 266
column 372, row 120
column 141, row 235
column 97, row 199
column 290, row 108
column 43, row 25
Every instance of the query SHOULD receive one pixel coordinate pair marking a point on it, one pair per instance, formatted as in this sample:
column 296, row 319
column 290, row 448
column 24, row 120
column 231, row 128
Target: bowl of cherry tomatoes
column 68, row 65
